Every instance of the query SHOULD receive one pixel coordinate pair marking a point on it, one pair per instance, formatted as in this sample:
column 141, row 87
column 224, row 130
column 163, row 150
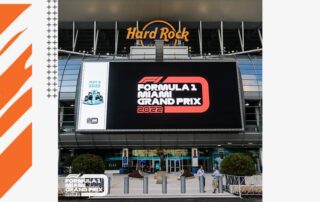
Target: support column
column 179, row 41
column 167, row 166
column 109, row 184
column 241, row 36
column 260, row 37
column 220, row 183
column 220, row 34
column 201, row 184
column 183, row 184
column 159, row 50
column 145, row 184
column 59, row 156
column 61, row 116
column 258, row 164
column 126, row 185
column 164, row 184
column 95, row 37
column 116, row 33
column 200, row 37
column 257, row 117
column 137, row 26
column 74, row 36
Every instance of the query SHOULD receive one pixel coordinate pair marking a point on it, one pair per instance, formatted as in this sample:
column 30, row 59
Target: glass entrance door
column 173, row 165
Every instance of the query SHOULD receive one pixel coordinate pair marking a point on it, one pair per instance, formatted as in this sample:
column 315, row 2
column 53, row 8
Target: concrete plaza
column 155, row 190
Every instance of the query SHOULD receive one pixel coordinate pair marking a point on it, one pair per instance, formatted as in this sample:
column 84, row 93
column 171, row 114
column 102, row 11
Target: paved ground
column 169, row 200
column 155, row 191
column 173, row 187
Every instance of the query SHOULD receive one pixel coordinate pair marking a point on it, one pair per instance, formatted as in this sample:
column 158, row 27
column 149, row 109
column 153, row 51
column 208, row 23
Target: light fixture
column 229, row 142
column 72, row 105
column 247, row 104
column 219, row 145
column 250, row 143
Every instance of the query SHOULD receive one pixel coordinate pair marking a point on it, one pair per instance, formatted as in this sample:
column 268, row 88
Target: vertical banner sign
column 15, row 96
column 194, row 157
column 125, row 158
column 93, row 96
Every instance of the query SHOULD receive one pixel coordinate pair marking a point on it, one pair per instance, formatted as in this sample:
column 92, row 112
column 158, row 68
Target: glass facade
column 154, row 158
column 251, row 74
column 67, row 77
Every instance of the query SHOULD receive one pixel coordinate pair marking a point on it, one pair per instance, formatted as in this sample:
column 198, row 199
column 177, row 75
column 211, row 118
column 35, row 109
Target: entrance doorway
column 147, row 164
column 173, row 165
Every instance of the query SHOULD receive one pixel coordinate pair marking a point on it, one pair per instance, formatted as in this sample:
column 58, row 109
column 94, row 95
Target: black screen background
column 224, row 111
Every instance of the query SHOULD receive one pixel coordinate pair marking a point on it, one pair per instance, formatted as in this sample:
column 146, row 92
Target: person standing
column 200, row 173
column 215, row 181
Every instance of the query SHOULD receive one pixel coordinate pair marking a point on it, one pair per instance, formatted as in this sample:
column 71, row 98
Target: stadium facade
column 215, row 46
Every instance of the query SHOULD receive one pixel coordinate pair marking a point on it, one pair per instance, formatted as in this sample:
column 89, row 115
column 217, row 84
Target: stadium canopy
column 171, row 10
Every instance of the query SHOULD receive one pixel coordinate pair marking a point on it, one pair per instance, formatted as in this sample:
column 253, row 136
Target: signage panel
column 92, row 101
column 125, row 158
column 86, row 185
column 174, row 96
column 194, row 157
column 158, row 30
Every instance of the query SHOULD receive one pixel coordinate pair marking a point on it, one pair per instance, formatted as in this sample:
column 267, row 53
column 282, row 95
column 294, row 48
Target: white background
column 291, row 107
column 40, row 182
column 291, row 89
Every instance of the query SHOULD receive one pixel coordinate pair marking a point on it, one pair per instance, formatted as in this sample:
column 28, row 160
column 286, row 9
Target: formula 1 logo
column 158, row 29
column 175, row 94
column 15, row 96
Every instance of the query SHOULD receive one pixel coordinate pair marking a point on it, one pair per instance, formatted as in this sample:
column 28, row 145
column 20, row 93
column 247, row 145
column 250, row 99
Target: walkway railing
column 243, row 185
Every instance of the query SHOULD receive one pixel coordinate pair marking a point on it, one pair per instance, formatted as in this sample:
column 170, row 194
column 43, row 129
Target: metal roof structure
column 171, row 10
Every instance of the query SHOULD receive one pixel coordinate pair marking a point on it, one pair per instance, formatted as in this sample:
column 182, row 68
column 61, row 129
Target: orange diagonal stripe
column 15, row 111
column 10, row 42
column 9, row 12
column 14, row 77
column 16, row 160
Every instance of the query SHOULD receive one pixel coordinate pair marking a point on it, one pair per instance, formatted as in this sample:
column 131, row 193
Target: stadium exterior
column 96, row 31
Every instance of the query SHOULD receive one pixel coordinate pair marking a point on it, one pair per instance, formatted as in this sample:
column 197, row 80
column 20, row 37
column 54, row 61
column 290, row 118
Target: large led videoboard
column 170, row 96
